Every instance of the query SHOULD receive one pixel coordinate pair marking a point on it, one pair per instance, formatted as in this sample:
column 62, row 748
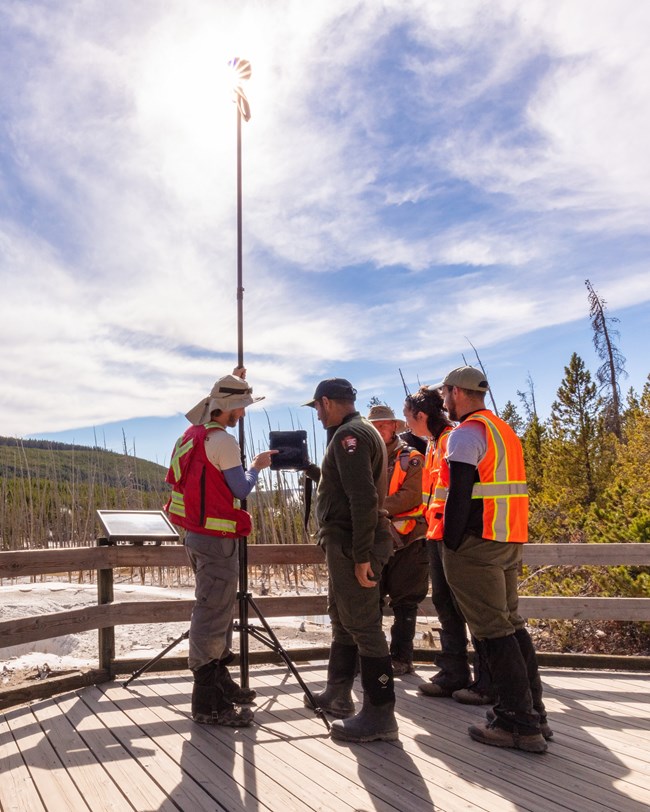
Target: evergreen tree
column 572, row 458
column 624, row 514
column 533, row 444
column 513, row 418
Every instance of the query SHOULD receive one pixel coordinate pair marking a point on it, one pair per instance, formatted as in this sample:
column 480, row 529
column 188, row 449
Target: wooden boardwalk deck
column 107, row 748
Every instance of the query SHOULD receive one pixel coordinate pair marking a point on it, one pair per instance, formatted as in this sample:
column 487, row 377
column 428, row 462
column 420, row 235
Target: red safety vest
column 502, row 481
column 201, row 499
column 436, row 480
column 404, row 522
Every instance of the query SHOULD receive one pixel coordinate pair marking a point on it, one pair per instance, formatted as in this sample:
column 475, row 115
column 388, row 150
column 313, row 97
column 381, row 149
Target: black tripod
column 264, row 634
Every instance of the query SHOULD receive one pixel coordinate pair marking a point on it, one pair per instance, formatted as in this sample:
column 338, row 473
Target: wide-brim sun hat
column 228, row 393
column 382, row 413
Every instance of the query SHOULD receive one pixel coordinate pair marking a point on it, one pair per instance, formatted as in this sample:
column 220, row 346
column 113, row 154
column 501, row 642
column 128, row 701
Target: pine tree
column 513, row 418
column 623, row 513
column 575, row 432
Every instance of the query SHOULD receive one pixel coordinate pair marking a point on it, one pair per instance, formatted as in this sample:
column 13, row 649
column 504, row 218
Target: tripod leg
column 243, row 597
column 277, row 647
column 148, row 665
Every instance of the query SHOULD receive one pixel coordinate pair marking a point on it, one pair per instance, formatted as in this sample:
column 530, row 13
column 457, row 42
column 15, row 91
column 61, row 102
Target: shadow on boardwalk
column 107, row 748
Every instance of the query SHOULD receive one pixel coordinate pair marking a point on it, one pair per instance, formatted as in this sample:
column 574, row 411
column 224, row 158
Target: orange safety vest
column 201, row 500
column 434, row 494
column 406, row 521
column 502, row 481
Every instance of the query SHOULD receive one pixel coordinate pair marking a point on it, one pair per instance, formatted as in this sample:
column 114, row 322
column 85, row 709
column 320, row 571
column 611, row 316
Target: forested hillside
column 42, row 459
column 49, row 492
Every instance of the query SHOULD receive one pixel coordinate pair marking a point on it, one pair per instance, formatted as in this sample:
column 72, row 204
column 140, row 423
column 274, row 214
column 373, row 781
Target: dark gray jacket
column 352, row 489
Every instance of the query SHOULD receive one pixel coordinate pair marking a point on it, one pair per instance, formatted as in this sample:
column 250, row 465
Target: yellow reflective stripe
column 225, row 525
column 177, row 504
column 493, row 490
column 179, row 450
column 440, row 493
column 403, row 526
column 415, row 512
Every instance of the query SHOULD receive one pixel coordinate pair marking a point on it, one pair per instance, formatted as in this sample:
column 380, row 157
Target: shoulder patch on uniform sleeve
column 349, row 443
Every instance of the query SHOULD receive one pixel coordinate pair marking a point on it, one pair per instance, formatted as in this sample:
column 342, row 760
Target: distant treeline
column 63, row 462
column 50, row 494
column 50, row 445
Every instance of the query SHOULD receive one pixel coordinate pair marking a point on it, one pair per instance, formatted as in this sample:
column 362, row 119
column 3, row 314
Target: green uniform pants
column 353, row 609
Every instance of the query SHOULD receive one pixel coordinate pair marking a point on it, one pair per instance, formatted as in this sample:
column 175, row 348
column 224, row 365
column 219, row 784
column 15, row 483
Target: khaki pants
column 483, row 577
column 215, row 562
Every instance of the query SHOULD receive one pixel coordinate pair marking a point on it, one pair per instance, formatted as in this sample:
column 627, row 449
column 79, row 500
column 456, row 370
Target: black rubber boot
column 342, row 667
column 402, row 633
column 210, row 706
column 376, row 719
column 516, row 723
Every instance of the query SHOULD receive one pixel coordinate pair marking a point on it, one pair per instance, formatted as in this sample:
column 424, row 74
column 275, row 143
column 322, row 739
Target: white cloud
column 496, row 143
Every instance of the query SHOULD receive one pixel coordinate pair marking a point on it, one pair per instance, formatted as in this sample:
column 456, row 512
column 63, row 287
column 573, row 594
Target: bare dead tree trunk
column 613, row 360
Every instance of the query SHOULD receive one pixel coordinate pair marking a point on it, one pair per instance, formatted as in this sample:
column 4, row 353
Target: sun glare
column 184, row 99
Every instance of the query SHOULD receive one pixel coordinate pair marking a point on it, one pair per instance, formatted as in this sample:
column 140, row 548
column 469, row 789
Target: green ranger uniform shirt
column 352, row 488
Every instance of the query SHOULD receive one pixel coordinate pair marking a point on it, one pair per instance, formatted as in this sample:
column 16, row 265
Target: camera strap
column 308, row 492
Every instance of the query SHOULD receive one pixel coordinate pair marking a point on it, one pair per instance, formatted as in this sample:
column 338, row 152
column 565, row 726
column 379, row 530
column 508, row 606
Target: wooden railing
column 107, row 615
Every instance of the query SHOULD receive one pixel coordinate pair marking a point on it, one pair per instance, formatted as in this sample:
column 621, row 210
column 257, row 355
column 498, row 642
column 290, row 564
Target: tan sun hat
column 229, row 392
column 379, row 413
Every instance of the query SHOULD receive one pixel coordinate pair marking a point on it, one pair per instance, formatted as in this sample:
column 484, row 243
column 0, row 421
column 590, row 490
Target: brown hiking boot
column 498, row 737
column 544, row 727
column 229, row 717
column 231, row 691
column 470, row 696
column 400, row 668
column 435, row 689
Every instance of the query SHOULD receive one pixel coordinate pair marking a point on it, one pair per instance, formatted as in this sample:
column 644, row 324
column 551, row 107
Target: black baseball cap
column 335, row 389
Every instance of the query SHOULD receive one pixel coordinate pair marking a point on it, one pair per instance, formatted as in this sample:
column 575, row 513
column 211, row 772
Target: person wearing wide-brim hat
column 405, row 578
column 208, row 480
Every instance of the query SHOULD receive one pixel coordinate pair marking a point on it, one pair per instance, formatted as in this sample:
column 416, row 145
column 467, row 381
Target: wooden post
column 106, row 637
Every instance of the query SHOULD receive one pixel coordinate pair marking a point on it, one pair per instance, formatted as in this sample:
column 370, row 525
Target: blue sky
column 417, row 175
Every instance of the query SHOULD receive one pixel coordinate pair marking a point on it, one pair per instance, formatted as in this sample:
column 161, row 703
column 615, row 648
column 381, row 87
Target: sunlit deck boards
column 106, row 748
